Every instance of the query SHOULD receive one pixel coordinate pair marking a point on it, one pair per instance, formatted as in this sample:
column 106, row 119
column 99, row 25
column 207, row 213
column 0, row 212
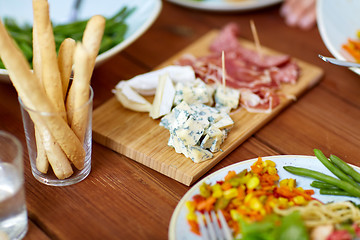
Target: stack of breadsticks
column 59, row 137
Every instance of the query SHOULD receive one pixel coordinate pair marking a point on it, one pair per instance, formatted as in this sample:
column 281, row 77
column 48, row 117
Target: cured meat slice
column 257, row 76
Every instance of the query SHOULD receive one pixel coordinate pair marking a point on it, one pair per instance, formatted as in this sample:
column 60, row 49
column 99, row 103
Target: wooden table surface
column 122, row 199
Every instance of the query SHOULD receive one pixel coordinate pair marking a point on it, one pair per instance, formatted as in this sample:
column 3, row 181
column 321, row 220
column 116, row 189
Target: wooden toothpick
column 256, row 39
column 223, row 69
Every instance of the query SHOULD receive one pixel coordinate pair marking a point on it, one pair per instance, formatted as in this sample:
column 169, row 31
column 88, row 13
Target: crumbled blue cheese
column 193, row 92
column 213, row 139
column 196, row 130
column 226, row 98
column 198, row 154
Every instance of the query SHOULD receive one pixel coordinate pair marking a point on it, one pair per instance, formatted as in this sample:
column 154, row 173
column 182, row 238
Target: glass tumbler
column 13, row 213
column 59, row 143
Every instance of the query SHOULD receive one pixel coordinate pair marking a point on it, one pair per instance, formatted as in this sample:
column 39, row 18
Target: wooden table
column 122, row 199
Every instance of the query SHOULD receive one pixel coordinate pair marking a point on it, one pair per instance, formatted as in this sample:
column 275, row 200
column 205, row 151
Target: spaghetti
column 316, row 213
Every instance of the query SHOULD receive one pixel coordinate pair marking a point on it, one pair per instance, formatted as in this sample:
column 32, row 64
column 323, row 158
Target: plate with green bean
column 328, row 176
column 125, row 22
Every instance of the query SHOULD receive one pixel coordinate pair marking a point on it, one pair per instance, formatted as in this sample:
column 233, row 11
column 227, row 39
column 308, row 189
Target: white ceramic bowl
column 223, row 5
column 337, row 21
column 60, row 12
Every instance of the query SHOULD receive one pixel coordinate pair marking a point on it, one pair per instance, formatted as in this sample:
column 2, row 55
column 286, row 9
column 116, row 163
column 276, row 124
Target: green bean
column 115, row 29
column 323, row 185
column 335, row 192
column 325, row 178
column 345, row 167
column 336, row 171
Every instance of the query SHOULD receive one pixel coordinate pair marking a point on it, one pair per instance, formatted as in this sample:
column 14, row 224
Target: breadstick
column 35, row 98
column 42, row 163
column 92, row 37
column 57, row 158
column 49, row 66
column 84, row 62
column 79, row 92
column 65, row 62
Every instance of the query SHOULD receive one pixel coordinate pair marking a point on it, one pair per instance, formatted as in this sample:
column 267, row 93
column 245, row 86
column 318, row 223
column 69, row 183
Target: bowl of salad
column 125, row 22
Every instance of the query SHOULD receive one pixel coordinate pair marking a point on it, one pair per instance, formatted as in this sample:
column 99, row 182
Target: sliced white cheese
column 146, row 83
column 131, row 99
column 164, row 97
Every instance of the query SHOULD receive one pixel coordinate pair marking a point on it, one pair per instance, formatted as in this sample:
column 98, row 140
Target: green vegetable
column 338, row 192
column 293, row 227
column 323, row 185
column 114, row 33
column 345, row 167
column 274, row 227
column 325, row 178
column 336, row 171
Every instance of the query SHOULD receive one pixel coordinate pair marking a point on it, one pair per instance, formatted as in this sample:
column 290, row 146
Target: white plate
column 337, row 21
column 179, row 228
column 224, row 5
column 60, row 11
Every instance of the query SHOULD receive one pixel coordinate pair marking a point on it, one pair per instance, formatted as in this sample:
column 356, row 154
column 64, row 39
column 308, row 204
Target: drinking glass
column 50, row 148
column 13, row 213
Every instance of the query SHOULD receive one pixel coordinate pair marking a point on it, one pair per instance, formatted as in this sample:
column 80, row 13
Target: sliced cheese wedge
column 164, row 97
column 131, row 99
column 146, row 84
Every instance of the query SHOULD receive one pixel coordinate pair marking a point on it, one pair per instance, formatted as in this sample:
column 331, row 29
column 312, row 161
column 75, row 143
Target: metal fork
column 339, row 62
column 212, row 230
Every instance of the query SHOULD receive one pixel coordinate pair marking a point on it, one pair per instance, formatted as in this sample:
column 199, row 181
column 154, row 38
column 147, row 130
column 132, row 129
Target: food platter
column 179, row 228
column 142, row 139
column 223, row 5
column 60, row 11
column 338, row 21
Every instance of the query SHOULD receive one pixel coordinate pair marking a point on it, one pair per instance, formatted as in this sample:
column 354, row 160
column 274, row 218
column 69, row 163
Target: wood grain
column 140, row 138
column 124, row 199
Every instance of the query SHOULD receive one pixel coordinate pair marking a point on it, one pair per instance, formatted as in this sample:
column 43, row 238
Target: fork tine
column 216, row 225
column 203, row 231
column 210, row 226
column 224, row 226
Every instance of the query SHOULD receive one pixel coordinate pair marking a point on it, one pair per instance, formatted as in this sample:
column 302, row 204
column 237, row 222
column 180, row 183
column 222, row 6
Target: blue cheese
column 213, row 139
column 224, row 123
column 227, row 98
column 178, row 145
column 197, row 130
column 192, row 130
column 193, row 92
column 198, row 154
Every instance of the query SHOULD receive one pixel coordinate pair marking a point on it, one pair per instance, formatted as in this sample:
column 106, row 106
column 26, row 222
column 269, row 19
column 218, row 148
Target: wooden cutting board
column 139, row 137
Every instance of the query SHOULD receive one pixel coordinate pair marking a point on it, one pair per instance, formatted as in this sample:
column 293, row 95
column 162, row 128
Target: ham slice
column 245, row 70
